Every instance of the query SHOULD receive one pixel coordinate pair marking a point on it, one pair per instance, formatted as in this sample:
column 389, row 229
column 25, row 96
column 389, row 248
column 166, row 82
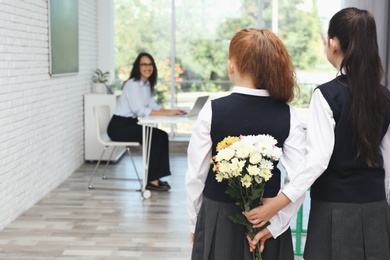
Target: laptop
column 199, row 103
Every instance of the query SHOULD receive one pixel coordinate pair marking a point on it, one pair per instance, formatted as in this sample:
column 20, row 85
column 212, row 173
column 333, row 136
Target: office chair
column 102, row 118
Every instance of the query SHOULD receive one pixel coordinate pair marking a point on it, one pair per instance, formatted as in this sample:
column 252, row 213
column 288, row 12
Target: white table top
column 165, row 119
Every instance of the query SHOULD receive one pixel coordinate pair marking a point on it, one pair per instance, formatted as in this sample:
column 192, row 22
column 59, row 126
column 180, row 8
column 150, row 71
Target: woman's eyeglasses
column 145, row 65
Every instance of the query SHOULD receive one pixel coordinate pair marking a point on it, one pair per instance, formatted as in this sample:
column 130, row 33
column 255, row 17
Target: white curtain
column 381, row 11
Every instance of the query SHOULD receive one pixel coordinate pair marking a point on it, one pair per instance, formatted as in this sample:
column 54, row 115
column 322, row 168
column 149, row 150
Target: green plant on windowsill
column 100, row 77
column 100, row 80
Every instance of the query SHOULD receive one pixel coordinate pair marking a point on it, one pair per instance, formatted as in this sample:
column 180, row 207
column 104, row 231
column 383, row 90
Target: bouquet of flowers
column 246, row 163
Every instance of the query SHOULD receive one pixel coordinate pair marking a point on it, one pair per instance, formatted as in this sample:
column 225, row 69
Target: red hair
column 261, row 55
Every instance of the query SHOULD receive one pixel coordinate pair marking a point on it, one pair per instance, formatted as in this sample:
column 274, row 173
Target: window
column 189, row 40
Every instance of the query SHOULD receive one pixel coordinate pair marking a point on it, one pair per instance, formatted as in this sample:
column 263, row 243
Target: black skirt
column 348, row 231
column 217, row 237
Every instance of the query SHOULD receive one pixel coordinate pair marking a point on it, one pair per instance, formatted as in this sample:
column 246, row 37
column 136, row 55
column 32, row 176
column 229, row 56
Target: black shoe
column 164, row 184
column 151, row 186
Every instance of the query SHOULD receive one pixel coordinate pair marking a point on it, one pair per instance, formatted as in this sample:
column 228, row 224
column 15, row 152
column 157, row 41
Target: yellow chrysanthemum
column 226, row 142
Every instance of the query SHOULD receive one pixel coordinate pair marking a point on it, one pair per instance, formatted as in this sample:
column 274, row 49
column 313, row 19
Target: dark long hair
column 136, row 72
column 356, row 31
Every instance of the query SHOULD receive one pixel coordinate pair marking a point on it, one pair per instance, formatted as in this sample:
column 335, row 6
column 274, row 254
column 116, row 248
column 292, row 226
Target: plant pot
column 99, row 88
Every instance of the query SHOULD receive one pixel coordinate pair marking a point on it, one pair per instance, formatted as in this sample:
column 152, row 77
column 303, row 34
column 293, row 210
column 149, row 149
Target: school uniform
column 349, row 216
column 244, row 112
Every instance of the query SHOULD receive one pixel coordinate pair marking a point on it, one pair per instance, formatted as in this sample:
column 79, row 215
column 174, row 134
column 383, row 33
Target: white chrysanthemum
column 225, row 154
column 267, row 140
column 265, row 174
column 266, row 151
column 253, row 170
column 243, row 153
column 246, row 181
column 219, row 177
column 276, row 153
column 259, row 151
column 250, row 139
column 224, row 167
column 236, row 166
column 266, row 164
column 266, row 143
column 255, row 158
column 258, row 179
column 242, row 149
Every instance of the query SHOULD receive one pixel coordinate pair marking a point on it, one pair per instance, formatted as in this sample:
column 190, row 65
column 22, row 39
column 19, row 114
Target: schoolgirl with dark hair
column 348, row 145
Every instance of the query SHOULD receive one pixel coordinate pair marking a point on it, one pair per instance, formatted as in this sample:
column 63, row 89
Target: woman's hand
column 192, row 235
column 260, row 237
column 167, row 112
column 176, row 112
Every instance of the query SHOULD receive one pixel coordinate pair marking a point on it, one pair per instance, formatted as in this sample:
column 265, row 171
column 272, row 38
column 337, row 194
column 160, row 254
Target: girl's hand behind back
column 262, row 214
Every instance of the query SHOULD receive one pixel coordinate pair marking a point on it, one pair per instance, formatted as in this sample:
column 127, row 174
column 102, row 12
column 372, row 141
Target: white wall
column 106, row 52
column 41, row 118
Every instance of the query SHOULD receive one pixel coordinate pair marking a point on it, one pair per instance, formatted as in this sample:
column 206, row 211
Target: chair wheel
column 146, row 194
column 90, row 187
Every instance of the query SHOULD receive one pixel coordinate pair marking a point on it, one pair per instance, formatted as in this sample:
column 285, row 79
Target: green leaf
column 241, row 220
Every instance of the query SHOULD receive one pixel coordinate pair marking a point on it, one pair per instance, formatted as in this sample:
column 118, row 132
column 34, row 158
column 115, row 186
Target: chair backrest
column 102, row 118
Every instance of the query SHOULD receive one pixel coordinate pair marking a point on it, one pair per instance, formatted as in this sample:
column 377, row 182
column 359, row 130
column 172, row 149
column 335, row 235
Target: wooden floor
column 74, row 222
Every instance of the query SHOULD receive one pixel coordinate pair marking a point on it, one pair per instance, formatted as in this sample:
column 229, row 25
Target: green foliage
column 252, row 196
column 100, row 77
column 203, row 32
column 246, row 199
column 300, row 30
column 141, row 27
column 211, row 63
column 303, row 100
column 241, row 220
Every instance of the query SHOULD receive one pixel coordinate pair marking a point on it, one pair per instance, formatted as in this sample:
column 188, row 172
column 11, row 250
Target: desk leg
column 146, row 147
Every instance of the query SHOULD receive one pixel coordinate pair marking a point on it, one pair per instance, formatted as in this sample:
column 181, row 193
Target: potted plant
column 100, row 80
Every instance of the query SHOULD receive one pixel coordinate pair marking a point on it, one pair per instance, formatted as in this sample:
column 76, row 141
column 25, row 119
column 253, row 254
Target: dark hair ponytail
column 356, row 31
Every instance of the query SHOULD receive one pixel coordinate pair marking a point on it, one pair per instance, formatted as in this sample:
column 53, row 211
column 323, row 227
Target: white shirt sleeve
column 152, row 103
column 136, row 97
column 198, row 156
column 293, row 153
column 385, row 151
column 320, row 143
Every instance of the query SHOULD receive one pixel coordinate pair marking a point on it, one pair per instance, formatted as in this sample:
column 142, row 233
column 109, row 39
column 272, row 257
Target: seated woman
column 136, row 101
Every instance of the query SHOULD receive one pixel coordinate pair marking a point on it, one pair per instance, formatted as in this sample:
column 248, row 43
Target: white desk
column 147, row 127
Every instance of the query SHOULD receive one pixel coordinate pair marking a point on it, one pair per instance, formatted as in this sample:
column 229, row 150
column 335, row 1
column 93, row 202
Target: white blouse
column 320, row 143
column 199, row 154
column 136, row 100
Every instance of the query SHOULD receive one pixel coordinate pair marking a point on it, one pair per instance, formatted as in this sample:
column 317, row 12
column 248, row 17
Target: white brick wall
column 41, row 118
